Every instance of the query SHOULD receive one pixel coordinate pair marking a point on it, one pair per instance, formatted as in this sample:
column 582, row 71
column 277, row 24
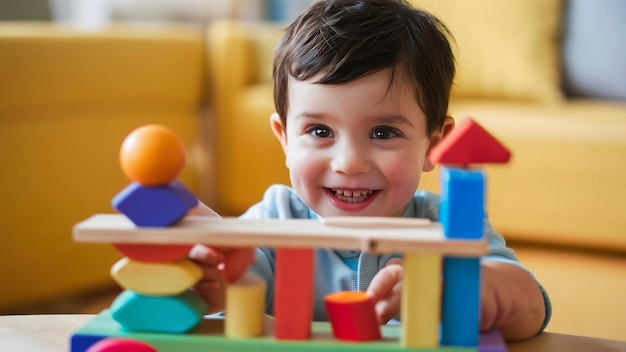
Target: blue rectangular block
column 462, row 208
column 460, row 316
column 154, row 206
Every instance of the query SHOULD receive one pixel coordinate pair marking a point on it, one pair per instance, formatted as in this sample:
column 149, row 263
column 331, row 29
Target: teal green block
column 168, row 314
column 208, row 335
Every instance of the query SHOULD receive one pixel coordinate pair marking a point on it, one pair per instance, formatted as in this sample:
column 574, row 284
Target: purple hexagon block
column 154, row 206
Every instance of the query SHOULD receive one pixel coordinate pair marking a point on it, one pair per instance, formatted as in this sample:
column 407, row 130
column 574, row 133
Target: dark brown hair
column 348, row 39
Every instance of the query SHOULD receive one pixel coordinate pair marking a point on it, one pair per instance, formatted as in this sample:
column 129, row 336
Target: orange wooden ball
column 152, row 155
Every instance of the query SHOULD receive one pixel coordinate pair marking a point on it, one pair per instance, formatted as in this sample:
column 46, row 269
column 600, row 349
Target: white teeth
column 352, row 196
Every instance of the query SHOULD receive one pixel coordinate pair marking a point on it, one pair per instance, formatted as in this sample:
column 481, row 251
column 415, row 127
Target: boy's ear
column 448, row 126
column 279, row 130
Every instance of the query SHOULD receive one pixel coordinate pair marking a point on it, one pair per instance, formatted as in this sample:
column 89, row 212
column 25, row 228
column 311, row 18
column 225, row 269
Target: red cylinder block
column 352, row 316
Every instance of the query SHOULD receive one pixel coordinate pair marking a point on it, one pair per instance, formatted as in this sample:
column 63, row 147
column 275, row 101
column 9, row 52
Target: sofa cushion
column 506, row 49
column 594, row 49
column 111, row 67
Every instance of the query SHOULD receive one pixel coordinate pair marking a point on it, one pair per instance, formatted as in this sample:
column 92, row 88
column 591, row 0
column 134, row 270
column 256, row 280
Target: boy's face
column 354, row 149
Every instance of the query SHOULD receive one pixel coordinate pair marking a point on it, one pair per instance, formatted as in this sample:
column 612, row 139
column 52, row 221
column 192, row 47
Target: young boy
column 361, row 91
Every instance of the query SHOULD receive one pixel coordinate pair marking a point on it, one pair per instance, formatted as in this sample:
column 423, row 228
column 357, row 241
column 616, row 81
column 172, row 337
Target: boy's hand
column 510, row 298
column 211, row 285
column 219, row 266
column 385, row 290
column 510, row 301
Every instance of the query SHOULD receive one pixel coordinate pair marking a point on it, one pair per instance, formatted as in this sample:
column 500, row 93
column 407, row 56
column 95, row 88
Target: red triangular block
column 469, row 143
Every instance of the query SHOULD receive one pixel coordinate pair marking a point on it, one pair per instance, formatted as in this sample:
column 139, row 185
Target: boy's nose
column 350, row 160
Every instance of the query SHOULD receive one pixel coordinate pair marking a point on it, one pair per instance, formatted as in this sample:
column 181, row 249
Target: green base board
column 208, row 336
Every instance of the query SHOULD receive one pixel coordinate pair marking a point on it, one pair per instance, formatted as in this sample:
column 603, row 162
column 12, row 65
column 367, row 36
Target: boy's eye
column 321, row 131
column 383, row 133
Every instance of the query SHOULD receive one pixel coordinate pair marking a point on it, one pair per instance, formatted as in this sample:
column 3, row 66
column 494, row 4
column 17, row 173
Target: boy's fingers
column 394, row 261
column 206, row 255
column 210, row 273
column 384, row 290
column 213, row 293
column 384, row 281
column 384, row 311
column 380, row 285
column 236, row 262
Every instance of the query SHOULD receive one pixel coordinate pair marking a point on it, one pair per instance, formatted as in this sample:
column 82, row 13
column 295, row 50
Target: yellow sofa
column 558, row 201
column 68, row 97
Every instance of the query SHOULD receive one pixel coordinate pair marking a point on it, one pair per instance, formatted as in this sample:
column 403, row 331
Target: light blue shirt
column 339, row 270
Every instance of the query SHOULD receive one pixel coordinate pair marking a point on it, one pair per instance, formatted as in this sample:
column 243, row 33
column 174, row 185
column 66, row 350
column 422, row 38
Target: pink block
column 121, row 345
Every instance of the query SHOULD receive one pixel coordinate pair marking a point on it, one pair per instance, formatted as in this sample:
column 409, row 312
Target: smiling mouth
column 350, row 195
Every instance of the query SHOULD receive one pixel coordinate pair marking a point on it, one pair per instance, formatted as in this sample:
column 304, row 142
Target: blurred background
column 102, row 12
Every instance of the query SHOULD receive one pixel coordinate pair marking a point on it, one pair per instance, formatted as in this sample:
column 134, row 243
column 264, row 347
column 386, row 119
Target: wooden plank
column 289, row 233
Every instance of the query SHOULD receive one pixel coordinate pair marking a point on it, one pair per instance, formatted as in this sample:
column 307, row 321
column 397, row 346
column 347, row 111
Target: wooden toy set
column 159, row 312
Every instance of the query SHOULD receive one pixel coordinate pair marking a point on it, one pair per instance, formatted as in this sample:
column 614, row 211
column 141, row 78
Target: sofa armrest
column 239, row 54
column 240, row 59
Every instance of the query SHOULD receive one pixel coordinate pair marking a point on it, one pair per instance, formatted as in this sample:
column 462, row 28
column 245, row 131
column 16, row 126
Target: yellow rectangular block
column 421, row 300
